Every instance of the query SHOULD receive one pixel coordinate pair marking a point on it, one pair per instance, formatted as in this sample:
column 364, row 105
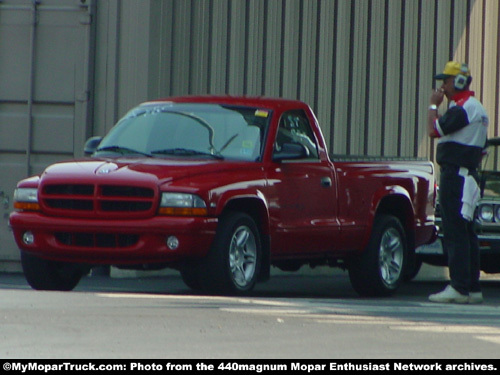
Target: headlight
column 182, row 204
column 497, row 213
column 26, row 199
column 486, row 213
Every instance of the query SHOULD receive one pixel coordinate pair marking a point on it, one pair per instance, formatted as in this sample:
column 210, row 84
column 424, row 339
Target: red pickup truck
column 222, row 189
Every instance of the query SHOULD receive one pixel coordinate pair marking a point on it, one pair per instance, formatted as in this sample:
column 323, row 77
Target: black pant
column 460, row 240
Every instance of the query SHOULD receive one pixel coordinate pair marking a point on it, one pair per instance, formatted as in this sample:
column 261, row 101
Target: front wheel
column 190, row 274
column 233, row 264
column 380, row 270
column 43, row 274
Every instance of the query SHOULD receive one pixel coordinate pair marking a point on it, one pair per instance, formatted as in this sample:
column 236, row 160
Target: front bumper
column 116, row 242
column 489, row 244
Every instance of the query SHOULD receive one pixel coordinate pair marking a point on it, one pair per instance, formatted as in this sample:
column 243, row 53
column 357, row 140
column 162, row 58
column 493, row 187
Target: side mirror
column 91, row 145
column 291, row 151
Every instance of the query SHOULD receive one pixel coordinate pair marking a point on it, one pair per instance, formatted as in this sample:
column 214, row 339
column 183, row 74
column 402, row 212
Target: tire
column 413, row 269
column 43, row 274
column 380, row 270
column 190, row 274
column 490, row 263
column 233, row 263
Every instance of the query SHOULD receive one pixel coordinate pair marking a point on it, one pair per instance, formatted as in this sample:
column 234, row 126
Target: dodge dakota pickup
column 222, row 189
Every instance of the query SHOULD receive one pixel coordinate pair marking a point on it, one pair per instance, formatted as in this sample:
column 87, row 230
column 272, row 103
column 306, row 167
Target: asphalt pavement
column 309, row 314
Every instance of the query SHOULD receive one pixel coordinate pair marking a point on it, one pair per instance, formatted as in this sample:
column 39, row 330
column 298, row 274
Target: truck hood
column 155, row 170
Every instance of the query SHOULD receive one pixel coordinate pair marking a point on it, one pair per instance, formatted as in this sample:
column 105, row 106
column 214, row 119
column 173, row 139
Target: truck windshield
column 188, row 130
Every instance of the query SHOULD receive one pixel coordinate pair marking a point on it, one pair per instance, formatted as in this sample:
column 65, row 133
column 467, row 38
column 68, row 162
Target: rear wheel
column 380, row 270
column 233, row 264
column 43, row 274
column 413, row 269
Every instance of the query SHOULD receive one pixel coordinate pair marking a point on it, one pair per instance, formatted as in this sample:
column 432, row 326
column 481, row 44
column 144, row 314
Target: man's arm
column 432, row 113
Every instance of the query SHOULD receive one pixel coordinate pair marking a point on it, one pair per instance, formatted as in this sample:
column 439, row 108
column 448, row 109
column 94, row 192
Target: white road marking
column 195, row 298
column 414, row 317
column 493, row 339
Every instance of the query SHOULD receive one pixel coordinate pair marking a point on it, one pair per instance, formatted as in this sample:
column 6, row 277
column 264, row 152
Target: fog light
column 28, row 238
column 172, row 242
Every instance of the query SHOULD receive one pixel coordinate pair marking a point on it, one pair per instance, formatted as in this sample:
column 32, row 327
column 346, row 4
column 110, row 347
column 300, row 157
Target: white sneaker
column 475, row 297
column 449, row 295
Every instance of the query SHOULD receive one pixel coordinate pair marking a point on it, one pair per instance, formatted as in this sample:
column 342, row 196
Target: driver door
column 305, row 210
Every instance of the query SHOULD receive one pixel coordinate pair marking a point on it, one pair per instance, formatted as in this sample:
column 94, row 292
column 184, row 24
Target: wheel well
column 256, row 209
column 400, row 207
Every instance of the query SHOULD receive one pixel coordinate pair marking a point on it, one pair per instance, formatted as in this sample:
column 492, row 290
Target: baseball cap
column 453, row 68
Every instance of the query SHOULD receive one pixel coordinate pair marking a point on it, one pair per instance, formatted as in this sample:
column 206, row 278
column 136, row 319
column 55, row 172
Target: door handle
column 326, row 181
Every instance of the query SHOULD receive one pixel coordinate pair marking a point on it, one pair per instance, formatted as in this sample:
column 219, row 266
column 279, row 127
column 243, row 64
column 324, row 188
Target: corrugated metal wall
column 365, row 66
column 46, row 77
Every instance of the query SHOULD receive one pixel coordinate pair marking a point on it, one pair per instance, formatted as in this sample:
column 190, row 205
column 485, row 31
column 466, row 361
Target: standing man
column 462, row 133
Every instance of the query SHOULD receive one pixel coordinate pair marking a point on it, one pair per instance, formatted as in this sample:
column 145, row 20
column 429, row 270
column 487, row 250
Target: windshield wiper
column 185, row 152
column 123, row 150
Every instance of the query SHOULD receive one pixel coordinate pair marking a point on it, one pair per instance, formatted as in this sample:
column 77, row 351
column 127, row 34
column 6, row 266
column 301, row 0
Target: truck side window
column 294, row 127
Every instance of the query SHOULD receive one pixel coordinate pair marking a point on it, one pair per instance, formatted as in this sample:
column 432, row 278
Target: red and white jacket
column 462, row 132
